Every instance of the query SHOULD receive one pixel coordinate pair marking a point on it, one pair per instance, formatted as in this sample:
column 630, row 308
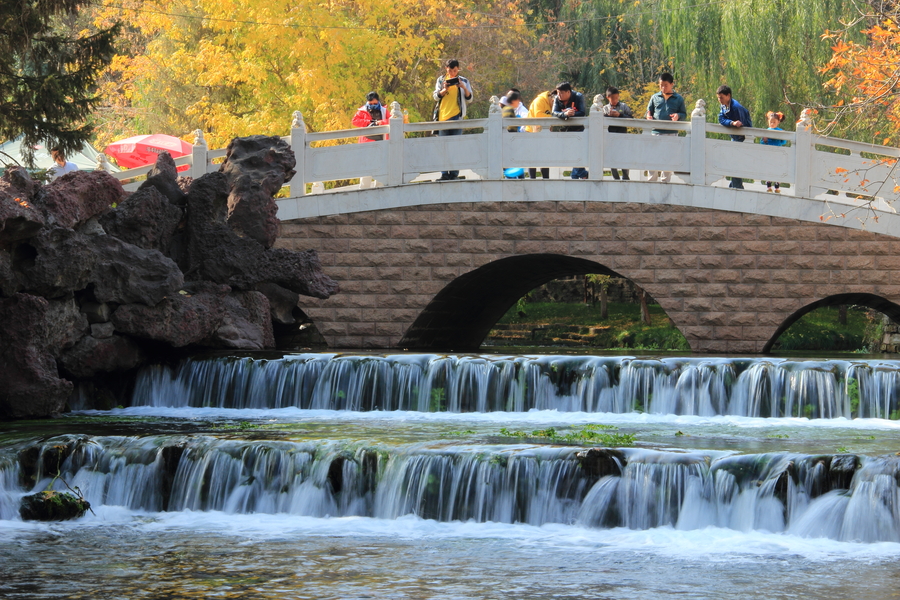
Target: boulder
column 93, row 355
column 184, row 318
column 600, row 462
column 96, row 312
column 163, row 177
column 9, row 283
column 56, row 262
column 146, row 219
column 76, row 197
column 52, row 506
column 65, row 325
column 125, row 273
column 283, row 303
column 28, row 376
column 843, row 467
column 215, row 253
column 256, row 167
column 19, row 217
column 246, row 324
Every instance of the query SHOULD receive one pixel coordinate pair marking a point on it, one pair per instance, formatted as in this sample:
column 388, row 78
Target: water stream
column 330, row 476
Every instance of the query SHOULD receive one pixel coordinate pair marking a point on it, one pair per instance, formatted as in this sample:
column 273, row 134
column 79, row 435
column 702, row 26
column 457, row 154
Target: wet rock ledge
column 96, row 281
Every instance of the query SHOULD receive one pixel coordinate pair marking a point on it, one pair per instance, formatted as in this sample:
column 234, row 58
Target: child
column 775, row 119
column 620, row 110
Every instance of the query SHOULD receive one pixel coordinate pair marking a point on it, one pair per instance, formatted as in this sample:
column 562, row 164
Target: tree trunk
column 842, row 314
column 604, row 309
column 645, row 311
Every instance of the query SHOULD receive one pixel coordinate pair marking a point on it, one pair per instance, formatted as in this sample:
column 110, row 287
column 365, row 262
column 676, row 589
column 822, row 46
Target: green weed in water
column 588, row 434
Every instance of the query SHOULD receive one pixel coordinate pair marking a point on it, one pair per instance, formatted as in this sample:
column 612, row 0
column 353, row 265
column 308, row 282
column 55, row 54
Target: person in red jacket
column 370, row 114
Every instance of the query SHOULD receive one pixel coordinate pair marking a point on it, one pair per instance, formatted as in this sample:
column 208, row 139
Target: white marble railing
column 812, row 165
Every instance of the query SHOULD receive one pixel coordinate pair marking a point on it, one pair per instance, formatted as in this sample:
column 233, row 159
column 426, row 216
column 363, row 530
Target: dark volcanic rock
column 56, row 262
column 28, row 376
column 52, row 506
column 92, row 355
column 164, row 178
column 146, row 219
column 246, row 324
column 216, row 253
column 65, row 325
column 178, row 320
column 127, row 274
column 19, row 217
column 9, row 283
column 256, row 167
column 76, row 197
column 282, row 303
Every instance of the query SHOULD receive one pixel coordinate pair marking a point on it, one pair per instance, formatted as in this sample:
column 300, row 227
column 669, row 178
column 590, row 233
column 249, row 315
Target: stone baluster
column 103, row 163
column 803, row 149
column 199, row 156
column 298, row 145
column 495, row 140
column 596, row 139
column 698, row 143
column 395, row 145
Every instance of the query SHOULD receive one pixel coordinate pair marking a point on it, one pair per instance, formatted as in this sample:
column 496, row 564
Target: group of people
column 453, row 93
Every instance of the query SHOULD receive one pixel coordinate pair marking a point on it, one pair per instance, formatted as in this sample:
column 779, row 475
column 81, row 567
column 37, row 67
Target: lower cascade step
column 843, row 497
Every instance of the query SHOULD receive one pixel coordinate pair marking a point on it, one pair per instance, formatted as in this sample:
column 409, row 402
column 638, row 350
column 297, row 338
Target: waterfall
column 843, row 497
column 434, row 383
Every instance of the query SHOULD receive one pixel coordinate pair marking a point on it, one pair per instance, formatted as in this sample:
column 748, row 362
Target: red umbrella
column 142, row 150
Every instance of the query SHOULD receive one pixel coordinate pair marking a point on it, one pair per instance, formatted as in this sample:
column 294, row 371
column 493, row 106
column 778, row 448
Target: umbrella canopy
column 11, row 153
column 142, row 150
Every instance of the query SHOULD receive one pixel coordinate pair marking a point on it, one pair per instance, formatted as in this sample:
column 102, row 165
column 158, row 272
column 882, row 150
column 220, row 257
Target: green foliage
column 842, row 450
column 47, row 77
column 895, row 415
column 438, row 400
column 605, row 435
column 853, row 394
column 820, row 330
column 622, row 328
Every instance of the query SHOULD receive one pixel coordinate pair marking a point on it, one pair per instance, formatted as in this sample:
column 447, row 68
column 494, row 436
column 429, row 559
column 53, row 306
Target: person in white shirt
column 62, row 167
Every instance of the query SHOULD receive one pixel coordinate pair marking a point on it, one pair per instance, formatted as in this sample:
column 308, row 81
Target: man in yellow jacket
column 541, row 107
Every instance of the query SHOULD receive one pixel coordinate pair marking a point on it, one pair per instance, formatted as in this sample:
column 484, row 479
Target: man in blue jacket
column 733, row 115
column 569, row 103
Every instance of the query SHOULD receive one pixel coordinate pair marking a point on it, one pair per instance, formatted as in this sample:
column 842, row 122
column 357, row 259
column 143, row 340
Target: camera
column 452, row 81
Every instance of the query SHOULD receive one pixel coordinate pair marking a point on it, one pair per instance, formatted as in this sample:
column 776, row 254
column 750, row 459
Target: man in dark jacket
column 733, row 114
column 569, row 103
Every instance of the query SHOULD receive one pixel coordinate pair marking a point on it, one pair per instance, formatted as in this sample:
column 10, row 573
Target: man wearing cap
column 567, row 104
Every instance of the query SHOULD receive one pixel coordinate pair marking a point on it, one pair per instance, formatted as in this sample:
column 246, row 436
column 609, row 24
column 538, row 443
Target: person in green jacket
column 665, row 105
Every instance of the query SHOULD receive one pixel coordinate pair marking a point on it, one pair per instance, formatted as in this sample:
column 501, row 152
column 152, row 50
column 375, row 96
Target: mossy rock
column 52, row 506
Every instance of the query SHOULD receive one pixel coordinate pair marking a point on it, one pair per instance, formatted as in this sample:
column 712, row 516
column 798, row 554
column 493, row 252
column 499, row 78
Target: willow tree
column 47, row 78
column 769, row 52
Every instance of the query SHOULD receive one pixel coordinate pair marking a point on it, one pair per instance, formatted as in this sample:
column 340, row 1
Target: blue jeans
column 579, row 173
column 442, row 133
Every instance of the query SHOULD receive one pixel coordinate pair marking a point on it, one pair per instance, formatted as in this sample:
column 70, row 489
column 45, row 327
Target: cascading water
column 679, row 386
column 519, row 484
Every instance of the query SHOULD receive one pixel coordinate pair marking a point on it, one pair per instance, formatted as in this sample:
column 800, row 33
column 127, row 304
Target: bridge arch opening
column 461, row 315
column 872, row 301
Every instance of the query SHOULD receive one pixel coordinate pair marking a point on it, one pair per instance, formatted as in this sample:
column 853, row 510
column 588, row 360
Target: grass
column 820, row 330
column 557, row 323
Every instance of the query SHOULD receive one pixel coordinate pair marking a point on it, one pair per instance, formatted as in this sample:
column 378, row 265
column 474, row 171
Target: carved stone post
column 596, row 139
column 199, row 156
column 395, row 146
column 698, row 143
column 495, row 140
column 803, row 150
column 103, row 163
column 298, row 145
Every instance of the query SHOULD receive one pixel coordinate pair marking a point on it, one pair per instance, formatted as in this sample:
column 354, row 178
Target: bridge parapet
column 813, row 166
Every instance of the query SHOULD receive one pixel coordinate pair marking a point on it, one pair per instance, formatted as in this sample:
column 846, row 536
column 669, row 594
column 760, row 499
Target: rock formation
column 94, row 280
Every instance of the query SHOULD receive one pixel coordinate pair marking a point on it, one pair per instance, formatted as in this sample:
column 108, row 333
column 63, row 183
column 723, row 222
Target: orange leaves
column 840, row 170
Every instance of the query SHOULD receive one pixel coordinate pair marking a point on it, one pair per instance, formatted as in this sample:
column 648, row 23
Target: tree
column 238, row 68
column 47, row 78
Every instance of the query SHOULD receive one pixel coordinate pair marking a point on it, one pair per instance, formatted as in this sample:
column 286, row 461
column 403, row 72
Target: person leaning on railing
column 568, row 104
column 541, row 107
